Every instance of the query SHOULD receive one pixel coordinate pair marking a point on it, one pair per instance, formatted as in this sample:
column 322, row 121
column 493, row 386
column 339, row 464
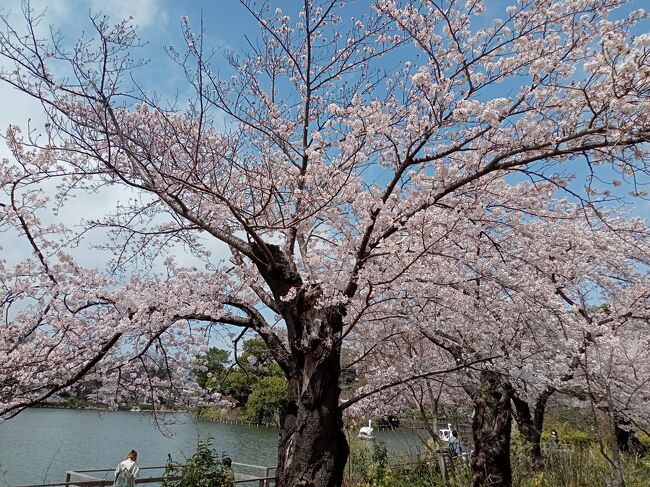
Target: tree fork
column 531, row 425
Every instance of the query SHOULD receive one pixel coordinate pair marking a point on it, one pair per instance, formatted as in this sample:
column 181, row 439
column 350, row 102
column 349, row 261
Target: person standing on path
column 127, row 471
column 229, row 475
column 454, row 444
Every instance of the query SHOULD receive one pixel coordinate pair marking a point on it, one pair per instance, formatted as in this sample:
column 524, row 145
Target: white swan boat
column 367, row 432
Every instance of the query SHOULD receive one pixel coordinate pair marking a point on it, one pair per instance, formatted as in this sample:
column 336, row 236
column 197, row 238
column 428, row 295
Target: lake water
column 39, row 445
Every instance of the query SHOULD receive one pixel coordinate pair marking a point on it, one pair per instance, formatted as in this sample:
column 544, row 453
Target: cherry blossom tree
column 63, row 322
column 339, row 184
column 616, row 377
column 536, row 320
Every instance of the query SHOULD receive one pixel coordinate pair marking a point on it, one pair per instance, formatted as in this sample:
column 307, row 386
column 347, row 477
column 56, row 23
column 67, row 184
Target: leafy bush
column 203, row 469
column 570, row 435
column 418, row 475
column 268, row 399
column 237, row 380
column 216, row 413
column 369, row 466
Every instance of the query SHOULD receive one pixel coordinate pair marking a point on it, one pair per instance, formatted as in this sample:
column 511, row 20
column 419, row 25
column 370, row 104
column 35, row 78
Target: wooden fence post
column 443, row 465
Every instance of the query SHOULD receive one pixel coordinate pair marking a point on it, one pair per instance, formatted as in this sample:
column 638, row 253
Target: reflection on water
column 39, row 445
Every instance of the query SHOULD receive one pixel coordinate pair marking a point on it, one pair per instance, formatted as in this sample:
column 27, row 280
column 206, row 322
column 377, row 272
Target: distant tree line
column 253, row 380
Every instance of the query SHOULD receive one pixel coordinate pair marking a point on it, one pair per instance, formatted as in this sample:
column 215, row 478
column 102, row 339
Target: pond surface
column 39, row 445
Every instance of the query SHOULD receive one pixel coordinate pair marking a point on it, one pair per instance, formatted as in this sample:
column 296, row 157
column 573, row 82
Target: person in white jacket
column 127, row 471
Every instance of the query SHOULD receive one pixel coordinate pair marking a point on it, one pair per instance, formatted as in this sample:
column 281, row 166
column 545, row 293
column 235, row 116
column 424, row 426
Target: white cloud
column 145, row 13
column 71, row 17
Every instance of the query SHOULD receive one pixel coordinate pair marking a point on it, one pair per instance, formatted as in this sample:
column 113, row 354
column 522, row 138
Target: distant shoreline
column 100, row 407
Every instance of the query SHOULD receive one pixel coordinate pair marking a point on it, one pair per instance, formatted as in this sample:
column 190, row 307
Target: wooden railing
column 90, row 477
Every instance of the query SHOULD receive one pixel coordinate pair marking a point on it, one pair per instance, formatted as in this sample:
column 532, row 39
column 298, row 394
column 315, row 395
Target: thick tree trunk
column 531, row 425
column 627, row 440
column 313, row 449
column 491, row 427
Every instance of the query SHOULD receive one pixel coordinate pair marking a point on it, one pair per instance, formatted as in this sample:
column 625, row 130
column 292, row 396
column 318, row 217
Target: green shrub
column 268, row 399
column 418, row 475
column 368, row 464
column 214, row 413
column 74, row 402
column 203, row 469
column 569, row 434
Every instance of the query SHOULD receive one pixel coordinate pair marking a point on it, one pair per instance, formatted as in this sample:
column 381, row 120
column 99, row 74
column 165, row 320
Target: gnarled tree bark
column 312, row 450
column 491, row 426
